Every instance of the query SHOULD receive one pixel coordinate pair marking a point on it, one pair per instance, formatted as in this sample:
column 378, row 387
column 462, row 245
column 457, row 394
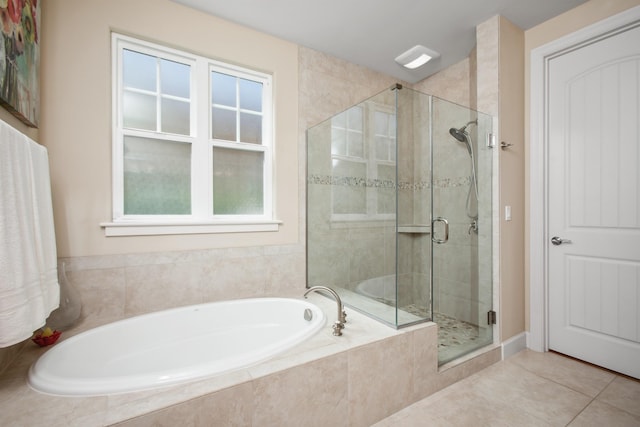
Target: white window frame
column 201, row 219
column 371, row 164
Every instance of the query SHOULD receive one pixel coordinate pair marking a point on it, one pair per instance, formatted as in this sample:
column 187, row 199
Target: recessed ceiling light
column 416, row 57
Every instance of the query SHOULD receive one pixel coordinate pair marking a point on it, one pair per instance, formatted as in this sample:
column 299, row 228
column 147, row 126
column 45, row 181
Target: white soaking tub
column 380, row 288
column 173, row 346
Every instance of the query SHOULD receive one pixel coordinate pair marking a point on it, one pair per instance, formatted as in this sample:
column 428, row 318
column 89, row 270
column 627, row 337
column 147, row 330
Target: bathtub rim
column 39, row 380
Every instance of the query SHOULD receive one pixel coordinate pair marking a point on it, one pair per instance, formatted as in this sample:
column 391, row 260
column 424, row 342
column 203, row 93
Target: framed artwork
column 20, row 59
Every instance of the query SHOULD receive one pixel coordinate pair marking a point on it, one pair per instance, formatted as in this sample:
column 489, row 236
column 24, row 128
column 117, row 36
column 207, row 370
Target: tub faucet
column 338, row 326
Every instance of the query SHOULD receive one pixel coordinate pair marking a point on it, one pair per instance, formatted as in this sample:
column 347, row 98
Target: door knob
column 558, row 241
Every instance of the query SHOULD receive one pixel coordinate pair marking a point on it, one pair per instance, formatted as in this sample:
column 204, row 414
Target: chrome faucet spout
column 338, row 326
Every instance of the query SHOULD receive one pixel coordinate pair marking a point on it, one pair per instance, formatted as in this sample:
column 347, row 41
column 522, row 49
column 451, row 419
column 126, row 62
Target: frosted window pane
column 139, row 70
column 356, row 146
column 175, row 117
column 338, row 142
column 157, row 177
column 223, row 89
column 174, row 78
column 139, row 111
column 223, row 123
column 382, row 148
column 251, row 128
column 237, row 182
column 349, row 193
column 381, row 123
column 250, row 95
column 392, row 150
column 355, row 118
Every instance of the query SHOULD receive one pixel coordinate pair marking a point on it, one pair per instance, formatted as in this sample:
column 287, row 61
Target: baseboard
column 513, row 345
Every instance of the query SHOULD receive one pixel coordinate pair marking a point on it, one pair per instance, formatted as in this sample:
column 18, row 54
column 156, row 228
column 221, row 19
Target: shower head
column 462, row 135
column 459, row 134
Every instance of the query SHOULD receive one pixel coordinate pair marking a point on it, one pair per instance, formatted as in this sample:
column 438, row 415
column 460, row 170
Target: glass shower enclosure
column 399, row 208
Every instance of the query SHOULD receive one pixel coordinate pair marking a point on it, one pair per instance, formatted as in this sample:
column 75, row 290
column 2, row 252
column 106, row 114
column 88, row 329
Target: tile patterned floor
column 530, row 389
column 456, row 337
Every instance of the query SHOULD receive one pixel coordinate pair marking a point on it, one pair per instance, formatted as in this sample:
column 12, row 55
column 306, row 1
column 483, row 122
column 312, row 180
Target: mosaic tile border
column 349, row 181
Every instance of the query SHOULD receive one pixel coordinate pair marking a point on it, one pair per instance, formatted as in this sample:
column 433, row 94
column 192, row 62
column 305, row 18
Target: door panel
column 602, row 296
column 594, row 201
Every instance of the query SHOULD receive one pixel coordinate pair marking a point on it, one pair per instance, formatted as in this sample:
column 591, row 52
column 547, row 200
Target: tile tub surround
column 326, row 380
column 113, row 287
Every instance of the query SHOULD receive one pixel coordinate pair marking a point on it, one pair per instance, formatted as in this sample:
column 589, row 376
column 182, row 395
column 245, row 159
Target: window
column 363, row 154
column 192, row 143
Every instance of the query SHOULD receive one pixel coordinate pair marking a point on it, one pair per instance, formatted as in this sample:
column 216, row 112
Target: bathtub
column 174, row 346
column 380, row 288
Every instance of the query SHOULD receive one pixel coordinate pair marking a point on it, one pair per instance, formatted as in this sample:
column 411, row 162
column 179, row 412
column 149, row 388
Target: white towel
column 29, row 288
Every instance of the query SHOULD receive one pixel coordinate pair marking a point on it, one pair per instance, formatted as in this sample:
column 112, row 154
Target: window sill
column 138, row 228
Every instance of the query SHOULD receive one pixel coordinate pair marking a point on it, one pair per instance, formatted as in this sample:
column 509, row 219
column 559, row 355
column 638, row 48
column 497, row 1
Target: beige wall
column 511, row 131
column 76, row 114
column 553, row 29
column 500, row 83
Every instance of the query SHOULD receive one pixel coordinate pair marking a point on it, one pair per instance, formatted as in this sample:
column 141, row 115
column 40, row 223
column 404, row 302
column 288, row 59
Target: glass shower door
column 461, row 202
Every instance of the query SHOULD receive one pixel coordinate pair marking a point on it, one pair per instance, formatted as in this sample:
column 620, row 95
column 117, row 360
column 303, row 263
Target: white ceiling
column 373, row 32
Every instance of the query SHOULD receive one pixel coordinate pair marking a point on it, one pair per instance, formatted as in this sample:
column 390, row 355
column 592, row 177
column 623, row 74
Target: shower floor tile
column 455, row 337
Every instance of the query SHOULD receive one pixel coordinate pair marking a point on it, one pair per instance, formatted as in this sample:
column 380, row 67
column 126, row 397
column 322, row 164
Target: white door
column 594, row 202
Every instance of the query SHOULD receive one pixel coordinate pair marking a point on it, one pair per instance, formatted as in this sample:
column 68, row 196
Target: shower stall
column 399, row 214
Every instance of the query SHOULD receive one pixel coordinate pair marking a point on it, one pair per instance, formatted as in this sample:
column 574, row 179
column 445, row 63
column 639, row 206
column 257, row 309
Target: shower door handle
column 446, row 230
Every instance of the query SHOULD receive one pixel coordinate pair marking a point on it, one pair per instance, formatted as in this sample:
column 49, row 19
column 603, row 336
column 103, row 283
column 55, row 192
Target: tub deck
column 336, row 370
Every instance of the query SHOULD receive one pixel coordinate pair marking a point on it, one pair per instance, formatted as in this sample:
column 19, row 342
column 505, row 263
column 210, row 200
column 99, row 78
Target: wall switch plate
column 507, row 213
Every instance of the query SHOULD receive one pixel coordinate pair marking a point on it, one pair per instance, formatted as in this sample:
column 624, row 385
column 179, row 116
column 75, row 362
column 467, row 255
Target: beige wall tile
column 30, row 408
column 425, row 361
column 236, row 278
column 286, row 274
column 158, row 287
column 230, row 407
column 380, row 379
column 313, row 394
column 452, row 83
column 102, row 292
column 487, row 36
